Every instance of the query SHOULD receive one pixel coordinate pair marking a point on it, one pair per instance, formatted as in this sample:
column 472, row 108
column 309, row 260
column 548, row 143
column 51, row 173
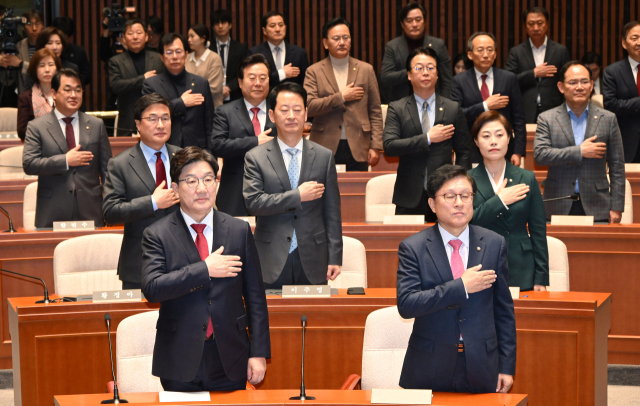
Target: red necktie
column 161, row 174
column 255, row 121
column 484, row 90
column 68, row 132
column 203, row 250
column 457, row 266
column 638, row 78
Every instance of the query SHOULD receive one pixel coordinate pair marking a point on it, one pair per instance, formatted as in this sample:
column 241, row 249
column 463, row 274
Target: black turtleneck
column 138, row 61
column 179, row 81
column 414, row 43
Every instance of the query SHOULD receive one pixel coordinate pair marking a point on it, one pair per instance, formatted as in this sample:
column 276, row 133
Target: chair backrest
column 86, row 264
column 8, row 119
column 597, row 100
column 134, row 353
column 29, row 206
column 558, row 265
column 11, row 163
column 384, row 113
column 627, row 214
column 386, row 337
column 378, row 196
column 354, row 265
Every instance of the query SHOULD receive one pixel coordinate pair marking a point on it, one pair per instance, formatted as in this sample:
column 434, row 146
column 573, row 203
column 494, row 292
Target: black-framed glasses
column 421, row 68
column 154, row 119
column 451, row 197
column 193, row 181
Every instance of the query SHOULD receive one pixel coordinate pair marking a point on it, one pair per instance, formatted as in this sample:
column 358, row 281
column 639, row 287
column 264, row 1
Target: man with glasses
column 485, row 88
column 69, row 151
column 454, row 280
column 191, row 101
column 345, row 101
column 137, row 191
column 423, row 129
column 578, row 141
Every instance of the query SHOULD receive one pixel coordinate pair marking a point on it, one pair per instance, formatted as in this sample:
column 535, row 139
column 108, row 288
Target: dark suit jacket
column 428, row 293
column 237, row 52
column 465, row 91
column 231, row 138
column 394, row 67
column 190, row 126
column 127, row 199
column 294, row 54
column 403, row 137
column 126, row 84
column 279, row 210
column 25, row 112
column 44, row 152
column 77, row 55
column 521, row 63
column 174, row 275
column 524, row 225
column 620, row 95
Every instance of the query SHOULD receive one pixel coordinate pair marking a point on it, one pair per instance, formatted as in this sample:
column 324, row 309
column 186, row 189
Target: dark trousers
column 126, row 285
column 292, row 273
column 345, row 157
column 421, row 208
column 460, row 381
column 577, row 209
column 636, row 159
column 210, row 377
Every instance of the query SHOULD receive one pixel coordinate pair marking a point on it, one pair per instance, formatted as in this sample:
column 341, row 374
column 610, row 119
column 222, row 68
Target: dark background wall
column 582, row 25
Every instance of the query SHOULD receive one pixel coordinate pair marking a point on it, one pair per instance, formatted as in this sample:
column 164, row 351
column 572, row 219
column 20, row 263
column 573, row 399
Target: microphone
column 574, row 197
column 46, row 292
column 116, row 397
column 6, row 213
column 120, row 129
column 303, row 395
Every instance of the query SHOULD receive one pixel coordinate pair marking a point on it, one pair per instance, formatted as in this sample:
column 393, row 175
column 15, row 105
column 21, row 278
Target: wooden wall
column 581, row 25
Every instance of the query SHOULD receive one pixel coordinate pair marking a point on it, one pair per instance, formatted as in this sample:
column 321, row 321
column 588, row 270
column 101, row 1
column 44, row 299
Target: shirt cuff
column 505, row 206
column 67, row 162
column 486, row 107
column 465, row 290
column 281, row 74
column 428, row 140
column 153, row 201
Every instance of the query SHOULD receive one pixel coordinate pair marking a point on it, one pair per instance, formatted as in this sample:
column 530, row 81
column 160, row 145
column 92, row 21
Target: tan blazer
column 363, row 118
column 210, row 69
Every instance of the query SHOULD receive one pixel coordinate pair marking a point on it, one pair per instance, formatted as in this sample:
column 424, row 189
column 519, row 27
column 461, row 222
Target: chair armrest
column 351, row 382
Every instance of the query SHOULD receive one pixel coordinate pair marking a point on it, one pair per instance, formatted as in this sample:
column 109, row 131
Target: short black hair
column 221, row 15
column 479, row 34
column 189, row 155
column 290, row 87
column 43, row 38
column 462, row 56
column 404, row 11
column 250, row 61
column 538, row 10
column 156, row 24
column 168, row 39
column 565, row 68
column 628, row 27
column 132, row 22
column 592, row 57
column 29, row 14
column 444, row 174
column 65, row 24
column 201, row 31
column 68, row 72
column 266, row 17
column 148, row 100
column 422, row 51
column 332, row 23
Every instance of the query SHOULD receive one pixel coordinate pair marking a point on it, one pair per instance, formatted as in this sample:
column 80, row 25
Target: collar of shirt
column 430, row 101
column 493, row 184
column 203, row 57
column 446, row 236
column 284, row 147
column 542, row 47
column 150, row 153
column 479, row 74
column 272, row 47
column 634, row 63
column 59, row 116
column 262, row 106
column 573, row 116
column 208, row 230
column 218, row 43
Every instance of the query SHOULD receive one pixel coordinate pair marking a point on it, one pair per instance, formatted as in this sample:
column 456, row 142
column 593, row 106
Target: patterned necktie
column 294, row 177
column 484, row 90
column 203, row 250
column 457, row 266
column 255, row 121
column 222, row 47
column 69, row 134
column 161, row 173
column 278, row 64
column 426, row 126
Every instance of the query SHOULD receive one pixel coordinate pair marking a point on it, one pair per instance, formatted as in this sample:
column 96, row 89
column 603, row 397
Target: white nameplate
column 402, row 396
column 107, row 296
column 9, row 136
column 250, row 219
column 306, row 291
column 341, row 168
column 531, row 128
column 632, row 167
column 80, row 225
column 167, row 396
column 515, row 292
column 406, row 219
column 571, row 220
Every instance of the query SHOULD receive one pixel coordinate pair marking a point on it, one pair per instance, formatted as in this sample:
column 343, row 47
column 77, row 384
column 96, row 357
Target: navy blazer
column 174, row 275
column 293, row 55
column 442, row 311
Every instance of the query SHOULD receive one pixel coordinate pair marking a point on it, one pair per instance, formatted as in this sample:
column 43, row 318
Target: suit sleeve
column 519, row 122
column 105, row 152
column 615, row 160
column 332, row 215
column 304, row 65
column 525, row 78
column 504, row 316
column 177, row 104
column 388, row 75
column 486, row 213
column 619, row 107
column 120, row 85
column 209, row 111
column 537, row 225
column 375, row 111
column 394, row 144
column 445, row 72
column 215, row 77
column 545, row 154
column 33, row 163
column 115, row 207
column 462, row 141
column 457, row 95
column 316, row 105
column 222, row 145
column 23, row 115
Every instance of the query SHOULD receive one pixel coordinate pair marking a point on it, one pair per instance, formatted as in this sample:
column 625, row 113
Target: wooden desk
column 562, row 344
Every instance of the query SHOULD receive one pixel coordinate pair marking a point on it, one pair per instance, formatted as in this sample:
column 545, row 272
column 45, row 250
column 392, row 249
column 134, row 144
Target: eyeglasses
column 154, row 119
column 36, row 24
column 345, row 38
column 451, row 197
column 68, row 90
column 170, row 52
column 193, row 181
column 584, row 82
column 420, row 68
column 481, row 51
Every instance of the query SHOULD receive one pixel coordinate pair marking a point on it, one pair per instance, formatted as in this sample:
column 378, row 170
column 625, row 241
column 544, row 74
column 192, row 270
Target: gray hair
column 478, row 34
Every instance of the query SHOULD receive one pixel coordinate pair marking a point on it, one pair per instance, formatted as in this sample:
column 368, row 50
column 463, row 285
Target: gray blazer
column 279, row 210
column 44, row 152
column 126, row 84
column 127, row 199
column 555, row 147
column 393, row 75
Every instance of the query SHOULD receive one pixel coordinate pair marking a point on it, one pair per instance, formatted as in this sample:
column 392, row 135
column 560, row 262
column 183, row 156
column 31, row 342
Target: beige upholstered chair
column 86, row 264
column 597, row 100
column 627, row 215
column 378, row 196
column 558, row 265
column 11, row 163
column 354, row 265
column 8, row 120
column 29, row 206
column 384, row 113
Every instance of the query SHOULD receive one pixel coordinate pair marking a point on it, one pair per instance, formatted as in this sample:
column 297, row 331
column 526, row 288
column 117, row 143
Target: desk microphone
column 6, row 213
column 46, row 292
column 574, row 197
column 116, row 397
column 303, row 395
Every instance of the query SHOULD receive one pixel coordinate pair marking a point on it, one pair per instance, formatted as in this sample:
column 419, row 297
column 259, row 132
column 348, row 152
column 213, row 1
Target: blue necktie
column 294, row 176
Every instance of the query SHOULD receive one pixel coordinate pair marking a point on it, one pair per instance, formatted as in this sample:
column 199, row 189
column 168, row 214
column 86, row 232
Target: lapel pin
column 429, row 44
column 354, row 68
column 510, row 180
column 478, row 248
column 440, row 108
column 595, row 116
column 192, row 84
column 87, row 127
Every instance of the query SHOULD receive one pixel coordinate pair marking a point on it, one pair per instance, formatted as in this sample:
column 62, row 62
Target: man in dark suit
column 231, row 52
column 287, row 62
column 423, row 129
column 621, row 91
column 536, row 63
column 238, row 127
column 203, row 268
column 291, row 185
column 128, row 70
column 393, row 75
column 191, row 101
column 74, row 53
column 68, row 178
column 137, row 191
column 454, row 280
column 485, row 88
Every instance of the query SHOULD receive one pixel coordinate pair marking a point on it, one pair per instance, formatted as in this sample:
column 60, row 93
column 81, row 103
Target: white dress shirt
column 225, row 60
column 75, row 124
column 464, row 248
column 634, row 69
column 282, row 57
column 596, row 86
column 208, row 230
column 262, row 114
column 539, row 53
column 497, row 186
column 431, row 101
column 150, row 156
column 287, row 156
column 203, row 57
column 488, row 81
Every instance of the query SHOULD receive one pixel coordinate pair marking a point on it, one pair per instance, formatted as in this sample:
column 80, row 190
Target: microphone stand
column 6, row 213
column 46, row 292
column 574, row 197
column 116, row 396
column 303, row 395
